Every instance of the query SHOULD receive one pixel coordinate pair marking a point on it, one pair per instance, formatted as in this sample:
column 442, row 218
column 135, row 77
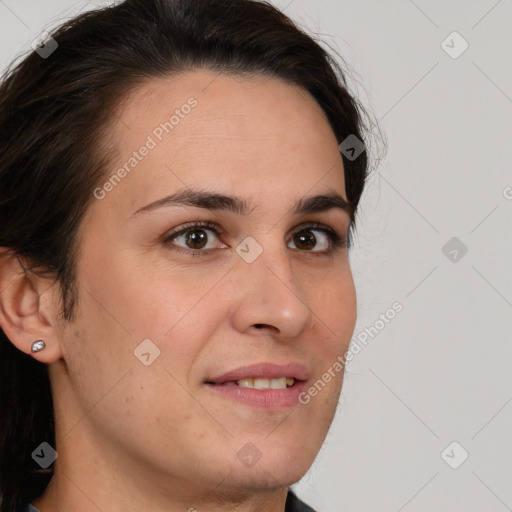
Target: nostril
column 266, row 326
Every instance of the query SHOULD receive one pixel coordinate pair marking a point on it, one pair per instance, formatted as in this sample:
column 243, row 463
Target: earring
column 38, row 345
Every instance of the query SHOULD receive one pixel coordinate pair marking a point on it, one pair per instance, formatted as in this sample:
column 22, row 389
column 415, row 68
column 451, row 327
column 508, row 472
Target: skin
column 132, row 437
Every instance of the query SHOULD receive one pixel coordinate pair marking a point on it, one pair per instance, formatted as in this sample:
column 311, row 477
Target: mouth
column 259, row 383
column 263, row 375
column 263, row 386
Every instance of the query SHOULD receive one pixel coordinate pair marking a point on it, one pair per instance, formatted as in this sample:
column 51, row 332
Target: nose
column 269, row 297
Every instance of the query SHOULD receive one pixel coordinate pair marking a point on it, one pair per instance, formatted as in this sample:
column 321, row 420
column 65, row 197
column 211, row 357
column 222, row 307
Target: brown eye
column 316, row 239
column 199, row 237
column 196, row 238
column 305, row 239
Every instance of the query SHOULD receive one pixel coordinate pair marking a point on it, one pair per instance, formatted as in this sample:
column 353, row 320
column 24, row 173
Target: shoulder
column 294, row 504
column 30, row 508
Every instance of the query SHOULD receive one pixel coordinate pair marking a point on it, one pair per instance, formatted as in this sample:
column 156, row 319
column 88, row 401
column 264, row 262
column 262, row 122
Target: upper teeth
column 279, row 383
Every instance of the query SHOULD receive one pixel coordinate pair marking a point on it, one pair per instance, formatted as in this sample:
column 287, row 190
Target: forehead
column 227, row 105
column 219, row 131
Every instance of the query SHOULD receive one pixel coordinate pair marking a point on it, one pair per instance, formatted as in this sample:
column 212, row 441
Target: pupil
column 306, row 240
column 197, row 238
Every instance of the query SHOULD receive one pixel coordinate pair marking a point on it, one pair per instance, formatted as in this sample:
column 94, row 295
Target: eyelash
column 336, row 241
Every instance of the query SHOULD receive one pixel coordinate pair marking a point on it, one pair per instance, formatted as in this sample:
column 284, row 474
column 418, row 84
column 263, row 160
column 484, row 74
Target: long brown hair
column 53, row 110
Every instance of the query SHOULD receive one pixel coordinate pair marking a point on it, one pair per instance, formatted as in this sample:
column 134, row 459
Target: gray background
column 440, row 371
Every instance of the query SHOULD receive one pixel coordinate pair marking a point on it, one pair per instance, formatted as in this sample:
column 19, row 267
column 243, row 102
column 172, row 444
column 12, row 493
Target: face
column 211, row 288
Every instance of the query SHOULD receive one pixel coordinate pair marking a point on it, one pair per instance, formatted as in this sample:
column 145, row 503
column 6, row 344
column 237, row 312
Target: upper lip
column 263, row 371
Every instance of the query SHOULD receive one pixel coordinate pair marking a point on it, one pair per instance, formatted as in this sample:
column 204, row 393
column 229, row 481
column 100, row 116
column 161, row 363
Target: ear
column 28, row 308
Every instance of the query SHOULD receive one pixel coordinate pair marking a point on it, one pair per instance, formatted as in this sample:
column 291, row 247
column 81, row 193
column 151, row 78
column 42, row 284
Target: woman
column 175, row 216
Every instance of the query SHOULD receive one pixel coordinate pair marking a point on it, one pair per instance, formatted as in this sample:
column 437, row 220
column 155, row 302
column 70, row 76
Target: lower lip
column 267, row 399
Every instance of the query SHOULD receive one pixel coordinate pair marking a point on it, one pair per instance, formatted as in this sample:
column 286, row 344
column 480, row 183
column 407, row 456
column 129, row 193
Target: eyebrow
column 240, row 206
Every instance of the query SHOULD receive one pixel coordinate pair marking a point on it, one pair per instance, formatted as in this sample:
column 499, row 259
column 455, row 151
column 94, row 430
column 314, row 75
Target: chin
column 275, row 468
column 269, row 478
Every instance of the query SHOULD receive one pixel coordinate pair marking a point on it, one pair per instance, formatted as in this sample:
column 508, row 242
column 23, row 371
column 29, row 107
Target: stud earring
column 38, row 345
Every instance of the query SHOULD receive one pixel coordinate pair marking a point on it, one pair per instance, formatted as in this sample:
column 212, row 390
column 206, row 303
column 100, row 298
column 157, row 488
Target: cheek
column 142, row 300
column 127, row 397
column 335, row 307
column 176, row 309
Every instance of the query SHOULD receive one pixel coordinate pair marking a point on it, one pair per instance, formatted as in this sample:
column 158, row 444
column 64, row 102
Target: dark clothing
column 293, row 504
